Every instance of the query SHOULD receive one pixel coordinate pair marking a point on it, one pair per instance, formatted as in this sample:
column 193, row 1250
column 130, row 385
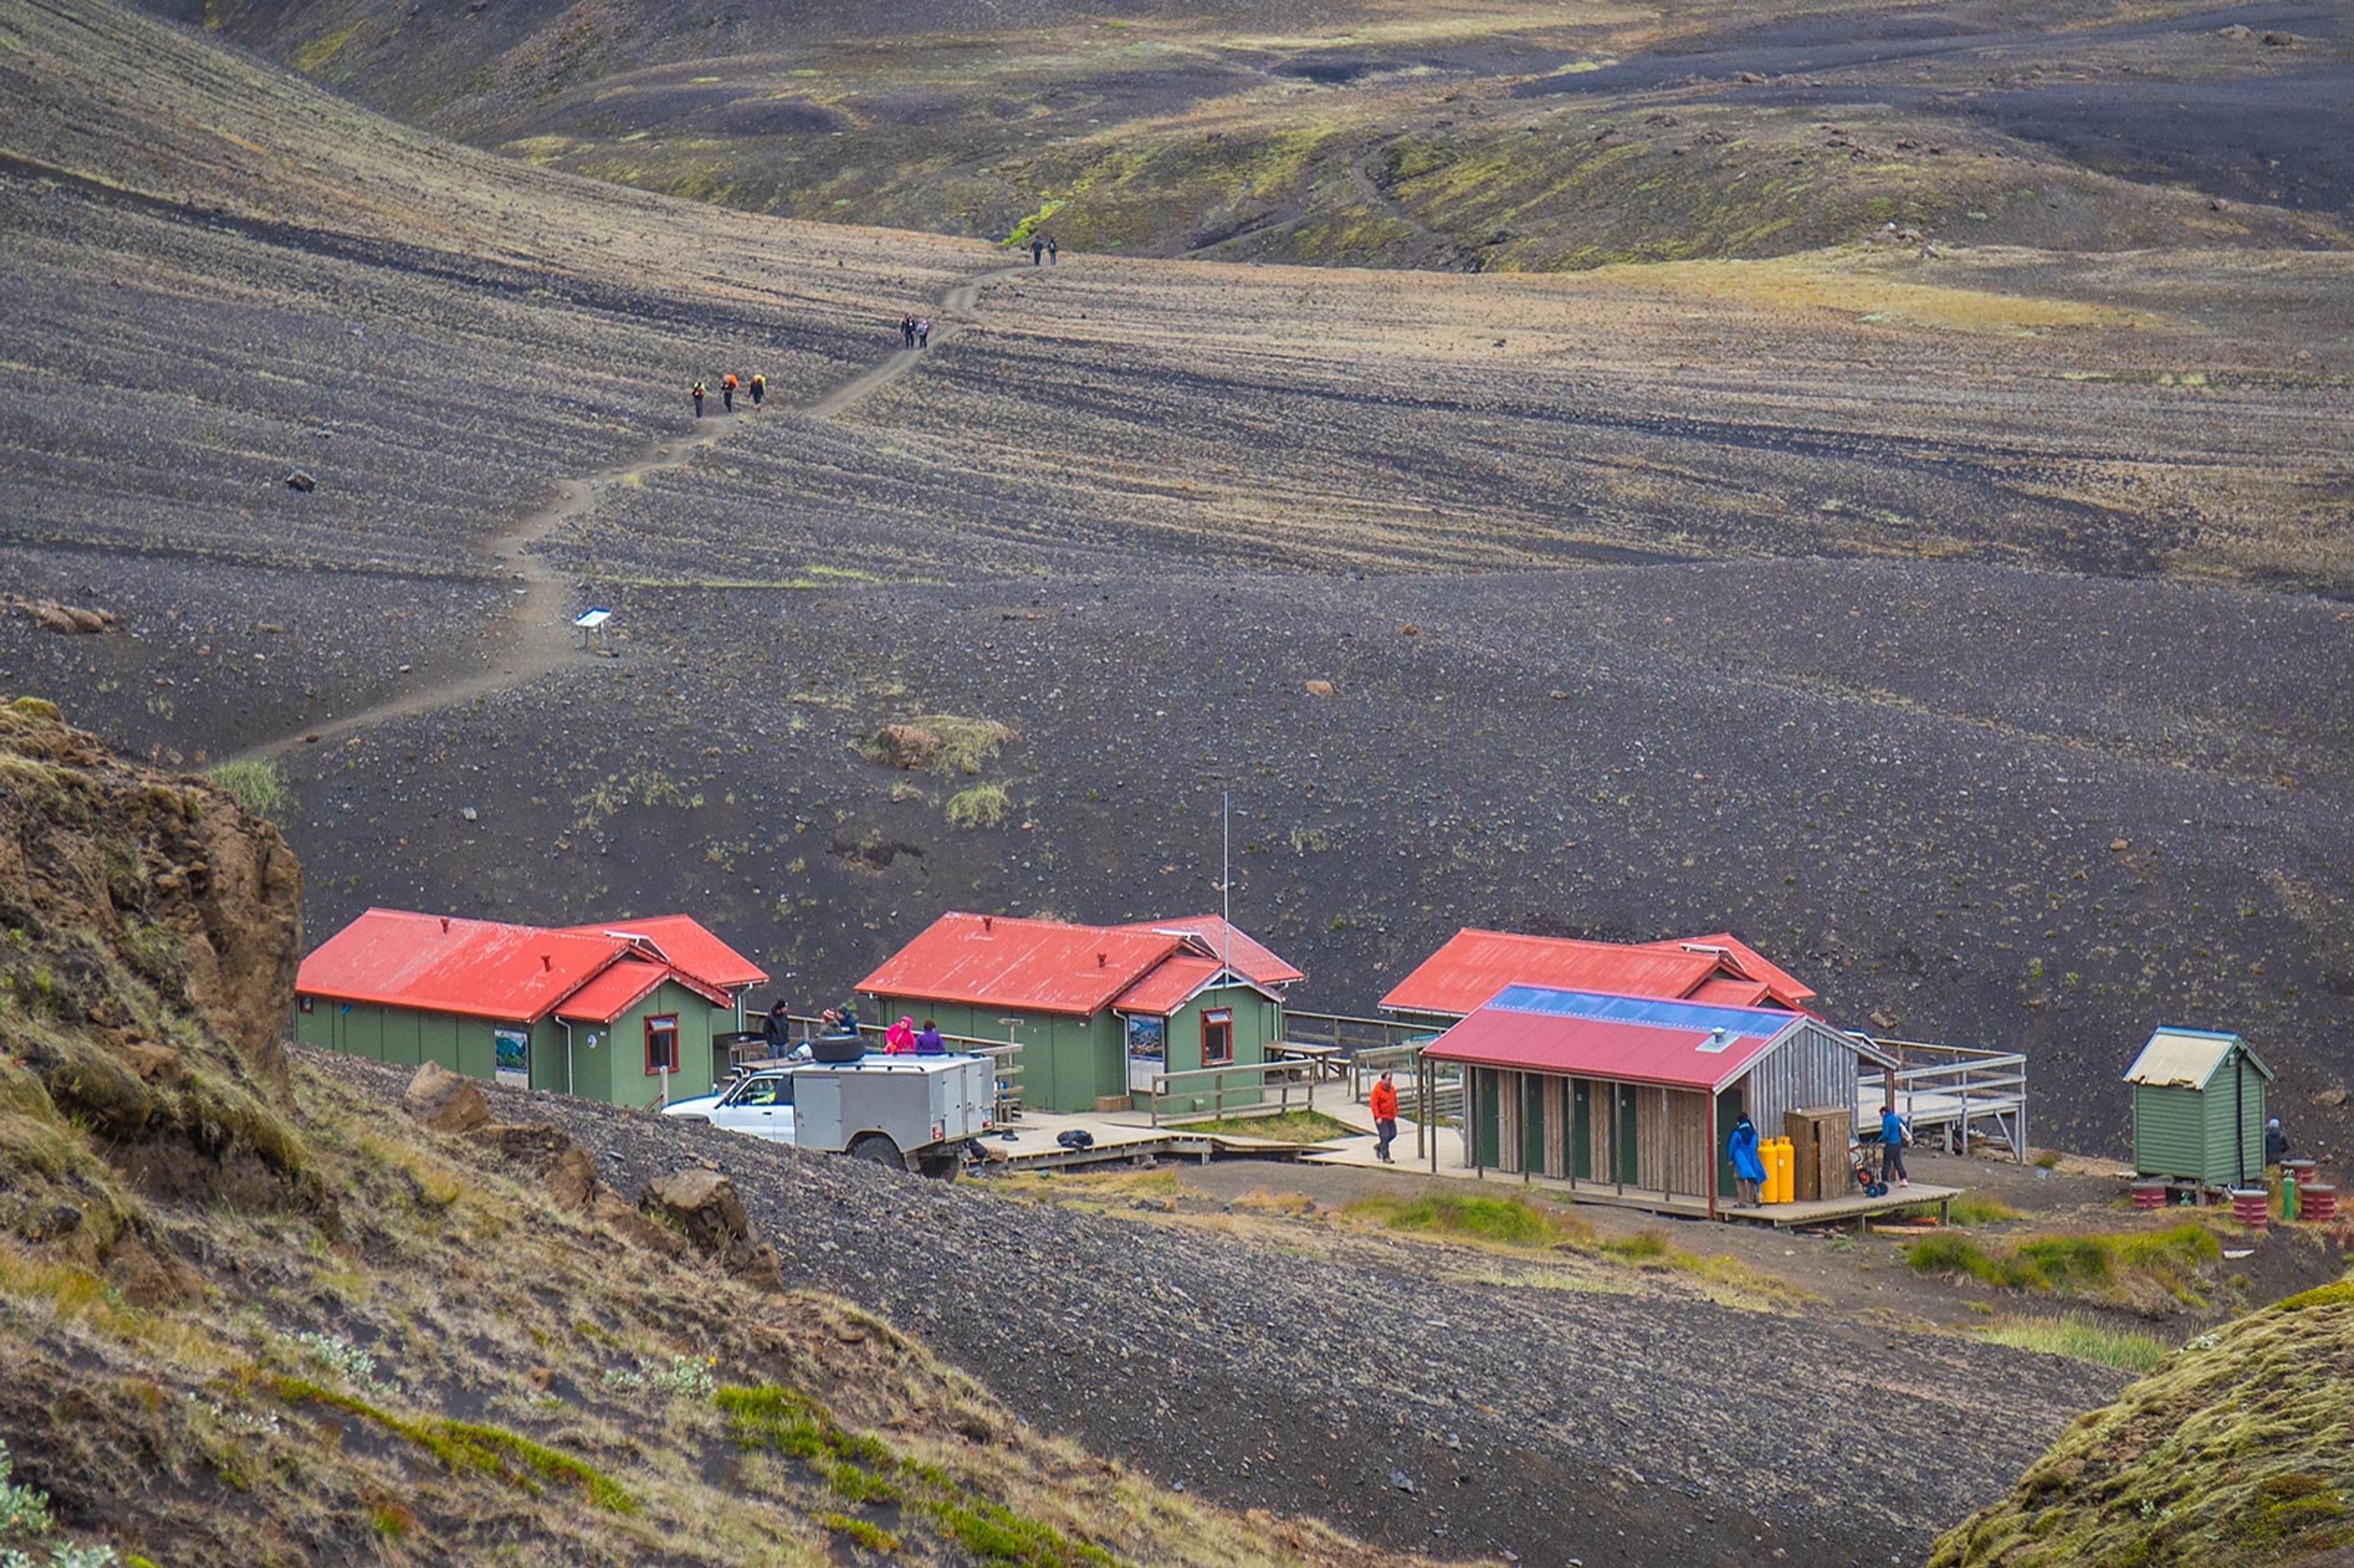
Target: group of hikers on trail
column 728, row 384
column 1047, row 248
column 916, row 332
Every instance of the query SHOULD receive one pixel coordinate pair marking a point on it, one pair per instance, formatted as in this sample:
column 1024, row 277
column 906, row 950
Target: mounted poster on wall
column 1147, row 1050
column 513, row 1049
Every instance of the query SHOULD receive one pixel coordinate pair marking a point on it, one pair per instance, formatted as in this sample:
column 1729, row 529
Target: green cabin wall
column 407, row 1037
column 1258, row 1023
column 2188, row 1133
column 1066, row 1063
column 1069, row 1063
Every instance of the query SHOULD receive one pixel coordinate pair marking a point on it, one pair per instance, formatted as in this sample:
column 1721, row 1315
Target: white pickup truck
column 907, row 1112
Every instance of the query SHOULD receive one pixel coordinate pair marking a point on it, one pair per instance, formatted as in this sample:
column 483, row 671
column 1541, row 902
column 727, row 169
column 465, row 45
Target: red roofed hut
column 1474, row 965
column 1637, row 1092
column 1096, row 1010
column 600, row 1010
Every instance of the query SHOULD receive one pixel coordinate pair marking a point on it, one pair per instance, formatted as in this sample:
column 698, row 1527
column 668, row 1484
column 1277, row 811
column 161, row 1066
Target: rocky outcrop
column 702, row 1205
column 445, row 1101
column 149, row 934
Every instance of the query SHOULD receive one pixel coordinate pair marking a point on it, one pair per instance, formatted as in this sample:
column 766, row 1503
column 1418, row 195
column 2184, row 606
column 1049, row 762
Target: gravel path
column 1420, row 1414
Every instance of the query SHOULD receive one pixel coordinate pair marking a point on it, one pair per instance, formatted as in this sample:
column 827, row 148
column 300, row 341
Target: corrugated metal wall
column 2170, row 1132
column 1815, row 1066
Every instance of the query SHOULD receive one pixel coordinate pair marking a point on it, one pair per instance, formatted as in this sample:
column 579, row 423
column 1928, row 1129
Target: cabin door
column 1581, row 1128
column 1728, row 1111
column 1628, row 1115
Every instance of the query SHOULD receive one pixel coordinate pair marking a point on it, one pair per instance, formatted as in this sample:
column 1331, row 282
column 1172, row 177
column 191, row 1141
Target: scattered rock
column 2119, row 846
column 2333, row 1095
column 701, row 1204
column 445, row 1101
column 66, row 619
column 1320, row 688
column 302, row 481
column 1409, row 629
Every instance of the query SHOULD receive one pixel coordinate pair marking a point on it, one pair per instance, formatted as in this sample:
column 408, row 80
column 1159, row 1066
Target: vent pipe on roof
column 445, row 922
column 987, row 922
column 1103, row 960
column 547, row 962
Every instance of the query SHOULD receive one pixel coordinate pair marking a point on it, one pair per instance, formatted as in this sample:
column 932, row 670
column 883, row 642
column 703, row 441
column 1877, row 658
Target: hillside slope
column 2238, row 1454
column 249, row 1317
column 1464, row 136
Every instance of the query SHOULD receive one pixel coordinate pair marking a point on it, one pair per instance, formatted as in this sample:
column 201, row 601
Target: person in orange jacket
column 1382, row 1103
column 727, row 392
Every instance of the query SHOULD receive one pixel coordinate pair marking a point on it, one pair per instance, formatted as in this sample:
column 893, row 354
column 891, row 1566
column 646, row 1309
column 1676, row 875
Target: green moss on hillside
column 2239, row 1451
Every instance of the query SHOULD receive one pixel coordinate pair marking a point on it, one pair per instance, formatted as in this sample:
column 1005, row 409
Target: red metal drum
column 2253, row 1207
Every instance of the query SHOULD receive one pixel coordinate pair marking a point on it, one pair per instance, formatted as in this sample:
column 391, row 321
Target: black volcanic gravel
column 1555, row 1424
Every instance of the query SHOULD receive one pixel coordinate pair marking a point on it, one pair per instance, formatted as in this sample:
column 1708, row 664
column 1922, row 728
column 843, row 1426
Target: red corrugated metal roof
column 1786, row 988
column 478, row 968
column 690, row 946
column 1245, row 955
column 1734, row 992
column 1659, row 1049
column 1171, row 981
column 1474, row 964
column 1039, row 966
column 614, row 992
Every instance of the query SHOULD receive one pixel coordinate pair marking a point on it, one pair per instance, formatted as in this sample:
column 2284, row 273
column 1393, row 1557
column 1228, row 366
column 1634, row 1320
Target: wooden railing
column 1349, row 1032
column 1256, row 1079
column 1952, row 1087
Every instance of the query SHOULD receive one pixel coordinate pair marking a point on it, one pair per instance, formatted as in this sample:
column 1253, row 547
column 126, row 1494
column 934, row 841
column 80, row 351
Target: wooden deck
column 1120, row 1137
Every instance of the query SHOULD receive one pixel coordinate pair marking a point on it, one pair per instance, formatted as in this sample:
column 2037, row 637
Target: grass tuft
column 1284, row 1127
column 257, row 784
column 982, row 806
column 1500, row 1221
column 2086, row 1340
column 1981, row 1209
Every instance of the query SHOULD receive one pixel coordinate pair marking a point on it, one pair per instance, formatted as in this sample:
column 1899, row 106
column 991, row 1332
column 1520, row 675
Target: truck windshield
column 770, row 1090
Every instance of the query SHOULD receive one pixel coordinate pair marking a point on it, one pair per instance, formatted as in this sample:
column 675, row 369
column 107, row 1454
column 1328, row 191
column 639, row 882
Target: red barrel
column 2253, row 1207
column 2149, row 1194
column 2316, row 1202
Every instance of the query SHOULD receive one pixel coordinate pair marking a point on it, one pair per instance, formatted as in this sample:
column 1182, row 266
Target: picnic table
column 1321, row 1061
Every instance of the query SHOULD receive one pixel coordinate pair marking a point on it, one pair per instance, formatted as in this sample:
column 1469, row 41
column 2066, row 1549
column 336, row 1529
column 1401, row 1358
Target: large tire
column 877, row 1147
column 940, row 1166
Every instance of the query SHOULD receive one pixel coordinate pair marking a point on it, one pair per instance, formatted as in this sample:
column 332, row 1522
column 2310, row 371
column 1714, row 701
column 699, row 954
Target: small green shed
column 2199, row 1108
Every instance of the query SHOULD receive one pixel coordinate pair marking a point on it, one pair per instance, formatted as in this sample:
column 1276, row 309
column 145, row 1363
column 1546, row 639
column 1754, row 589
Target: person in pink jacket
column 899, row 1040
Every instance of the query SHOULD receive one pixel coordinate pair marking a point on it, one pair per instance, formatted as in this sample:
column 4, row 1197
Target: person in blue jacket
column 1892, row 1140
column 1748, row 1170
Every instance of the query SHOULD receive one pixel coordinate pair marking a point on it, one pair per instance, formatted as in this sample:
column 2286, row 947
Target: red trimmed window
column 1217, row 1036
column 662, row 1043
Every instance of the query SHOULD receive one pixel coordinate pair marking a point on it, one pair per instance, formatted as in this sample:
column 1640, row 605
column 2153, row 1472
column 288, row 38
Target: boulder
column 905, row 745
column 702, row 1205
column 609, row 1208
column 445, row 1101
column 300, row 481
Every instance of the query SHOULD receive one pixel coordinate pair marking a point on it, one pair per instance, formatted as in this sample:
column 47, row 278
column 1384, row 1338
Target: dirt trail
column 537, row 637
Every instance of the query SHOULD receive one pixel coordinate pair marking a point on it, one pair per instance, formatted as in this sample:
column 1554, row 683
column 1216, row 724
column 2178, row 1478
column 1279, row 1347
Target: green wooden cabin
column 591, row 1011
column 2199, row 1108
column 1096, row 1010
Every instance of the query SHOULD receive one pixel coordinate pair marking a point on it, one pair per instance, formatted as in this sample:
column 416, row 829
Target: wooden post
column 1712, row 1152
column 1618, row 1171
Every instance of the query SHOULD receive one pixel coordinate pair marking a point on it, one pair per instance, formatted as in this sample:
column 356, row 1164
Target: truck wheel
column 878, row 1148
column 940, row 1166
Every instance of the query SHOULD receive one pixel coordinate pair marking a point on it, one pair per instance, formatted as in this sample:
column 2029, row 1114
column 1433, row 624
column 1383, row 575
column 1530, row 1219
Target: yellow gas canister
column 1769, row 1154
column 1785, row 1169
